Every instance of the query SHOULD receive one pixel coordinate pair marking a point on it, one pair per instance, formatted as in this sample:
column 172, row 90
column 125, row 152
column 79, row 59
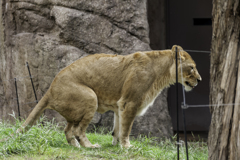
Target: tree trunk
column 224, row 134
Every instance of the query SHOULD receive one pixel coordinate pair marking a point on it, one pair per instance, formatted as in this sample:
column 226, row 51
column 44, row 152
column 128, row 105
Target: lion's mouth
column 188, row 84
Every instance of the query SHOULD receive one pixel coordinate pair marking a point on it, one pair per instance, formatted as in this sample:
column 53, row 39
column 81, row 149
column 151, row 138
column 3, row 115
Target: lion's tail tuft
column 34, row 115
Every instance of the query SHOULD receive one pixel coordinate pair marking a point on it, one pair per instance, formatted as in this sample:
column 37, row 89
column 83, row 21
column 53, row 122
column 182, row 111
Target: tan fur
column 127, row 85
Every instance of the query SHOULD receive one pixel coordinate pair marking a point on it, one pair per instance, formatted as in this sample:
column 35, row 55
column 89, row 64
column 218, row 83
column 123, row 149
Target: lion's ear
column 179, row 48
column 179, row 51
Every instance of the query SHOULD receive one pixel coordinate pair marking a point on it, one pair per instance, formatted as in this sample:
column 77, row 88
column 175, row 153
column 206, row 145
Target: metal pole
column 32, row 82
column 33, row 86
column 185, row 131
column 177, row 103
column 184, row 106
column 17, row 98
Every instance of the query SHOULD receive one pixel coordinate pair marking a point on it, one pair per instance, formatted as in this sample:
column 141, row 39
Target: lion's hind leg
column 77, row 105
column 69, row 135
column 79, row 131
column 87, row 107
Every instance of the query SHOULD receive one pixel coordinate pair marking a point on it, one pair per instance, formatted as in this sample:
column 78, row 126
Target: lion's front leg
column 127, row 114
column 115, row 132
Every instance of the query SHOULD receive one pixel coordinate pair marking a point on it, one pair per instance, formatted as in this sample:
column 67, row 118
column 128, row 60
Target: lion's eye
column 192, row 69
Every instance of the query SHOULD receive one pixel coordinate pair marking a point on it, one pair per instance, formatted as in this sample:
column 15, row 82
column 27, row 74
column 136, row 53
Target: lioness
column 127, row 85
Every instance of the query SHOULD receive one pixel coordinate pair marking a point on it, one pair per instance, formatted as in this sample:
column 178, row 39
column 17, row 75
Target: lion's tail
column 34, row 115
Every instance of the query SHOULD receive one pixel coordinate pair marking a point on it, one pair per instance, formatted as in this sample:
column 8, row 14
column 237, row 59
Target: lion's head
column 187, row 71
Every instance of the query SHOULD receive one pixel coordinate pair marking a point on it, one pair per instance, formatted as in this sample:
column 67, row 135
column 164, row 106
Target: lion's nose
column 199, row 80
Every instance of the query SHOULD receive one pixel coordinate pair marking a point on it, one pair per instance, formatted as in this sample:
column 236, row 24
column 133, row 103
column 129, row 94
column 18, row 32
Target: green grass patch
column 48, row 142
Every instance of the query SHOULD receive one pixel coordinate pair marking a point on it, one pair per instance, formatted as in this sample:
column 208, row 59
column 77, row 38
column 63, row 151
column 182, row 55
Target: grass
column 48, row 142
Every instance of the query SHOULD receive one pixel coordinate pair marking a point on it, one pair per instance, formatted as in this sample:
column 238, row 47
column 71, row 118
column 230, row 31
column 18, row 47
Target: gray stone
column 51, row 34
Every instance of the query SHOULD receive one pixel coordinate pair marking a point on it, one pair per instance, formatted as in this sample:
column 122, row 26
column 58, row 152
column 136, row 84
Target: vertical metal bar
column 177, row 103
column 183, row 111
column 17, row 98
column 32, row 82
column 185, row 131
column 33, row 86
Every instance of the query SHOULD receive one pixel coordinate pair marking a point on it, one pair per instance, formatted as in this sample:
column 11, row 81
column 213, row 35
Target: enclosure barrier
column 17, row 99
column 184, row 105
column 32, row 82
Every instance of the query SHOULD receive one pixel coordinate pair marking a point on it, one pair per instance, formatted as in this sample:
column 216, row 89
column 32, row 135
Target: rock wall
column 50, row 34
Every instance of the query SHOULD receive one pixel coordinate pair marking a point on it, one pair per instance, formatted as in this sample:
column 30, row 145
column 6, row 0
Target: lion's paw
column 115, row 141
column 127, row 146
column 95, row 146
column 75, row 143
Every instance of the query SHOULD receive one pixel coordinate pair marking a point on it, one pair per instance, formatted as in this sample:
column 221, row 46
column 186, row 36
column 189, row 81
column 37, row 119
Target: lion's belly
column 102, row 108
column 105, row 105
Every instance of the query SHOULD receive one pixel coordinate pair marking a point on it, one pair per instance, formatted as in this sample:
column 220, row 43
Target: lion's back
column 103, row 73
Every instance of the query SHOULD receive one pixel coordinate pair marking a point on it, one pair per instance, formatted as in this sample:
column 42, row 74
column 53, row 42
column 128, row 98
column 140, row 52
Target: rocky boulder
column 50, row 35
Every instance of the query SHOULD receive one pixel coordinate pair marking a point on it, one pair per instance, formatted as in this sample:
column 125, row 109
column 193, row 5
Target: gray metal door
column 189, row 25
